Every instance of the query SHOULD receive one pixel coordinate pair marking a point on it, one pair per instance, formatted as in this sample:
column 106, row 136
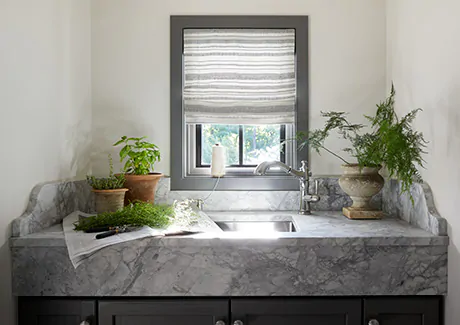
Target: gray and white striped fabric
column 239, row 76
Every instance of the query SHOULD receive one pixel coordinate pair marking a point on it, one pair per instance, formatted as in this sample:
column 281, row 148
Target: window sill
column 235, row 183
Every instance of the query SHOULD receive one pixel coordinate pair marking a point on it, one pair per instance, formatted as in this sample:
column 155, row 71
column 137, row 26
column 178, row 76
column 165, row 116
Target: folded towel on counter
column 82, row 245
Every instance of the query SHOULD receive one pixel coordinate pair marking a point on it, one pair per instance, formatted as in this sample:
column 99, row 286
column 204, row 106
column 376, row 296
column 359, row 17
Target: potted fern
column 391, row 142
column 109, row 191
column 140, row 157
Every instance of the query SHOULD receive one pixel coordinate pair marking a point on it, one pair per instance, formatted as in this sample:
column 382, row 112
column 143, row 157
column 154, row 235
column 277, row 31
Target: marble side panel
column 149, row 267
column 49, row 203
column 421, row 212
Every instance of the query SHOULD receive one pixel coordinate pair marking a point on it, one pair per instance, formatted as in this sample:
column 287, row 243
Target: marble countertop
column 319, row 228
column 329, row 255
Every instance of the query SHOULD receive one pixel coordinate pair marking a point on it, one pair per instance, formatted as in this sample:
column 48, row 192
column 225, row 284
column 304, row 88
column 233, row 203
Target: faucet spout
column 303, row 174
column 263, row 167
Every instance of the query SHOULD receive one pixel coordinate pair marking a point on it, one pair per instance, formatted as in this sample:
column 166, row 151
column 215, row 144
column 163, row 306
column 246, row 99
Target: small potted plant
column 140, row 157
column 391, row 142
column 109, row 192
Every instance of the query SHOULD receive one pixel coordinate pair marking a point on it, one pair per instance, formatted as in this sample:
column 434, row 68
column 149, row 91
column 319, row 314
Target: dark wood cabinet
column 402, row 311
column 164, row 312
column 297, row 311
column 232, row 311
column 46, row 311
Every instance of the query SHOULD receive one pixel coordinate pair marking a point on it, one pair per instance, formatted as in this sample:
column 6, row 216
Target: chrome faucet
column 303, row 174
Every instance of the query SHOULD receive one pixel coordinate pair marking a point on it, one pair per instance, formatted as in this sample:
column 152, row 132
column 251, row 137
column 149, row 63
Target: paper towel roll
column 219, row 158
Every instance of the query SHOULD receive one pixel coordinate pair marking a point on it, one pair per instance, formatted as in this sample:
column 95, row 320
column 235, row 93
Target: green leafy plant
column 140, row 155
column 137, row 214
column 107, row 183
column 391, row 141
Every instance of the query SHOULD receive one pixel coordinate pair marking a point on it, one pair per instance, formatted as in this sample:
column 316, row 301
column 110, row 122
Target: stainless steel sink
column 257, row 226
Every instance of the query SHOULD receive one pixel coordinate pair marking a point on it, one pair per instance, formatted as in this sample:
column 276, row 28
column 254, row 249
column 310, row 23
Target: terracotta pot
column 109, row 200
column 361, row 184
column 141, row 187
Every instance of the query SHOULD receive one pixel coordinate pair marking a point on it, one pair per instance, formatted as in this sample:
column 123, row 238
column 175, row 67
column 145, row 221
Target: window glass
column 261, row 143
column 258, row 143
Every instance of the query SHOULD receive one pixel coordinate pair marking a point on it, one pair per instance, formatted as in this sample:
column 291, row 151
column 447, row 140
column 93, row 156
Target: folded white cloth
column 82, row 245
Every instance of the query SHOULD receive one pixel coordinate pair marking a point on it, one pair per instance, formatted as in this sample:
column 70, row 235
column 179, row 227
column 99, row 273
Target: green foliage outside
column 140, row 155
column 107, row 183
column 137, row 214
column 260, row 142
column 391, row 142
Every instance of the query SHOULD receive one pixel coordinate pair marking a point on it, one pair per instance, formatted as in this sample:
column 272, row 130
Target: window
column 247, row 145
column 236, row 80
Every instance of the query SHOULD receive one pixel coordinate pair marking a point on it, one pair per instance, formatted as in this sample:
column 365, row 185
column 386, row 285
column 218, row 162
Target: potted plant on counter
column 109, row 192
column 140, row 157
column 390, row 142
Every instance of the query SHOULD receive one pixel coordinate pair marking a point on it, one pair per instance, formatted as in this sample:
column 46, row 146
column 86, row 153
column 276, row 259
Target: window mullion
column 282, row 139
column 198, row 145
column 240, row 145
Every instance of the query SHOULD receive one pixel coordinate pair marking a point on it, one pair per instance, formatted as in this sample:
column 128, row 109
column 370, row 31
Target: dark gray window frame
column 179, row 179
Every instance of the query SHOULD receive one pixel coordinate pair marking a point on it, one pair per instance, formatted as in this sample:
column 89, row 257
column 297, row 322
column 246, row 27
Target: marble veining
column 329, row 255
column 149, row 267
column 50, row 202
column 421, row 213
column 332, row 198
column 321, row 228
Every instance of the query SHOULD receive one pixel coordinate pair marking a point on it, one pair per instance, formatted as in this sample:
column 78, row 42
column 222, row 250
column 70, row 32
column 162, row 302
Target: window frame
column 181, row 178
column 242, row 172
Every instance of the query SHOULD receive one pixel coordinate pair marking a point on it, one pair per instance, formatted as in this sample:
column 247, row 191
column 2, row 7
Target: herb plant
column 137, row 214
column 107, row 183
column 140, row 155
column 391, row 141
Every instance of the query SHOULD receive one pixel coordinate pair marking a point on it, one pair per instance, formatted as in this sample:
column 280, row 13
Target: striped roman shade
column 239, row 76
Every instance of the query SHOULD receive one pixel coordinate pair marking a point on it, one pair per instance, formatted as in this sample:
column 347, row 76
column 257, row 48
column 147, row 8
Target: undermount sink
column 257, row 226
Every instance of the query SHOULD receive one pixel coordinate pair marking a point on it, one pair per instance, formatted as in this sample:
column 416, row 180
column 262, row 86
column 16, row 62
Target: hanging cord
column 213, row 190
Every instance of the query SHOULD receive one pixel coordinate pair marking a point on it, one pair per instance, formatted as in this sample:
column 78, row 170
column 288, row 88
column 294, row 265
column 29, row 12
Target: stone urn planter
column 141, row 187
column 109, row 200
column 361, row 184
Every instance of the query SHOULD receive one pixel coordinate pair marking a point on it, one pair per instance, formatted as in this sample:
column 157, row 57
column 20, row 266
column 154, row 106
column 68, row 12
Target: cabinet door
column 402, row 311
column 43, row 311
column 163, row 312
column 297, row 311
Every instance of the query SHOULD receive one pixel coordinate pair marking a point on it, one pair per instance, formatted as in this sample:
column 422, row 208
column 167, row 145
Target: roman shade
column 239, row 76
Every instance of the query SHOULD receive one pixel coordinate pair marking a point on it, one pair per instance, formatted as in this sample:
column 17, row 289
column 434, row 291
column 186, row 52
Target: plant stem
column 336, row 155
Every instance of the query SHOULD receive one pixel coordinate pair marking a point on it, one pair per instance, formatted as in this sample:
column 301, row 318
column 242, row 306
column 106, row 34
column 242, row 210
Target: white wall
column 130, row 59
column 424, row 62
column 45, row 105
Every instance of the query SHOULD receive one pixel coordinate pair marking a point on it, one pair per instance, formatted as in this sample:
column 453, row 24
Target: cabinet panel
column 163, row 312
column 39, row 311
column 296, row 311
column 403, row 311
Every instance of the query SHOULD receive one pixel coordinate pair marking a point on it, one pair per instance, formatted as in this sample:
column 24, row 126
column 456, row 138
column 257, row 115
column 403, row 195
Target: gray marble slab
column 420, row 212
column 321, row 228
column 329, row 255
column 332, row 197
column 50, row 202
column 151, row 268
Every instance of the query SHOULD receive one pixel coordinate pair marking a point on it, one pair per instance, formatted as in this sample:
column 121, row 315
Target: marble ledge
column 321, row 229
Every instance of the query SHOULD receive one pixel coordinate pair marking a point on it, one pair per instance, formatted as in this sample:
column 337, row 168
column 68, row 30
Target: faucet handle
column 316, row 186
column 303, row 165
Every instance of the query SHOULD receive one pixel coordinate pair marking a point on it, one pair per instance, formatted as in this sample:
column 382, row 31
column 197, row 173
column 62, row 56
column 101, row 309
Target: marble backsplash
column 332, row 198
column 50, row 202
column 420, row 212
